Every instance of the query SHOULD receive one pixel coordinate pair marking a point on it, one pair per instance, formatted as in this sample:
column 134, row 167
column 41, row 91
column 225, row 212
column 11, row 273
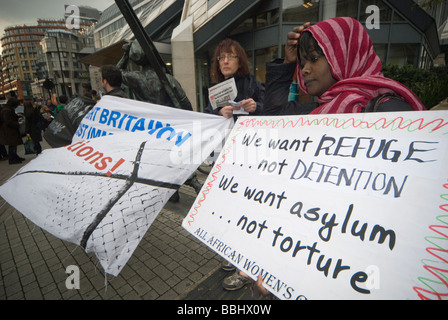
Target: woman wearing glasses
column 229, row 61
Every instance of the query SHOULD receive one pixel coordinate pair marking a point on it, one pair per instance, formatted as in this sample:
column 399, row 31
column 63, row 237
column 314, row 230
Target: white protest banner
column 104, row 190
column 350, row 206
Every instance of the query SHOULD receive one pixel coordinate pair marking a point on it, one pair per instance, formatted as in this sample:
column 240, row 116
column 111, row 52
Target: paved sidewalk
column 168, row 263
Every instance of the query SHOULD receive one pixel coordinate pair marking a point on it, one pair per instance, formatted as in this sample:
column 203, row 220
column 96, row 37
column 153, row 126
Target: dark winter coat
column 33, row 123
column 117, row 92
column 9, row 128
column 247, row 87
column 278, row 80
column 63, row 127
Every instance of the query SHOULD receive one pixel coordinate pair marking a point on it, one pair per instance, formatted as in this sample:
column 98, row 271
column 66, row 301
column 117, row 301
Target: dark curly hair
column 13, row 102
column 307, row 44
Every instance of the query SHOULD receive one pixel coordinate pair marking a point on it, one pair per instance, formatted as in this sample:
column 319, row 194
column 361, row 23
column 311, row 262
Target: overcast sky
column 19, row 12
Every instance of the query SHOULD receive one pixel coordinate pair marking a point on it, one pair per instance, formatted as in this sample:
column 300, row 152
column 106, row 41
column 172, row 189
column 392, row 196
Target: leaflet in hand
column 221, row 93
column 238, row 104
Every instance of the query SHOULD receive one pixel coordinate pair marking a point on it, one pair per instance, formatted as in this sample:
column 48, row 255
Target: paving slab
column 168, row 264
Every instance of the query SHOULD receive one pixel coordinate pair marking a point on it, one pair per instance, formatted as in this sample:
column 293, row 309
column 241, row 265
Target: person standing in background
column 230, row 61
column 9, row 130
column 335, row 62
column 62, row 103
column 33, row 124
column 111, row 81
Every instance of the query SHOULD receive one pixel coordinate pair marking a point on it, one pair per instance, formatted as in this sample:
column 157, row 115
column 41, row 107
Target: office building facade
column 21, row 52
column 401, row 31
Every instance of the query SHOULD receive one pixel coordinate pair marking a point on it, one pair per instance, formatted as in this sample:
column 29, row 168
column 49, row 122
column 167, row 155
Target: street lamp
column 60, row 63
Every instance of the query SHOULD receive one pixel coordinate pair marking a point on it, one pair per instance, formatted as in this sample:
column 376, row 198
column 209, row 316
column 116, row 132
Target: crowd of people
column 38, row 114
column 333, row 61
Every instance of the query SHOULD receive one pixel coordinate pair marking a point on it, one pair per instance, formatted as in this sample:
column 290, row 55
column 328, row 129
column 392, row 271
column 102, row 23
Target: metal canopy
column 150, row 51
column 109, row 55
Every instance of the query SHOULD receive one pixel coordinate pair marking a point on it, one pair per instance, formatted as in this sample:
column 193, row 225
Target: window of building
column 164, row 35
column 108, row 32
column 268, row 18
column 398, row 17
column 263, row 56
column 210, row 3
column 203, row 80
column 402, row 54
column 385, row 11
column 246, row 26
column 381, row 51
column 339, row 8
column 300, row 11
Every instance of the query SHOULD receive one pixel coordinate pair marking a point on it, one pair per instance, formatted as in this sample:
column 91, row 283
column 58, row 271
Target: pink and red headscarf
column 355, row 65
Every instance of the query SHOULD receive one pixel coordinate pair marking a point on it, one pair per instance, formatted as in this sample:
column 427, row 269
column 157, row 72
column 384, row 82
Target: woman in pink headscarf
column 338, row 65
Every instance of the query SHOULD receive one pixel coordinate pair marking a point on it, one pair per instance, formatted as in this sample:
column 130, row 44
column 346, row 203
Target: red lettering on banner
column 94, row 157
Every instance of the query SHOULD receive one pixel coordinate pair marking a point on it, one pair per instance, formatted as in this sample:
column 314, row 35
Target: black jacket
column 33, row 123
column 247, row 87
column 117, row 92
column 61, row 130
column 279, row 78
column 9, row 127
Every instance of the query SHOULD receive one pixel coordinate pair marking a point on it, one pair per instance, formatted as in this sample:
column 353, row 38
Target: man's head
column 86, row 90
column 63, row 99
column 13, row 102
column 110, row 77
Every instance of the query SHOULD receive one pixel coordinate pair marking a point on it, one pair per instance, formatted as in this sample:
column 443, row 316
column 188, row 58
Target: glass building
column 403, row 34
column 21, row 51
column 401, row 31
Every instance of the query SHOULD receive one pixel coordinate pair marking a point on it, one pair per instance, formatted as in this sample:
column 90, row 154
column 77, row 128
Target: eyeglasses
column 231, row 57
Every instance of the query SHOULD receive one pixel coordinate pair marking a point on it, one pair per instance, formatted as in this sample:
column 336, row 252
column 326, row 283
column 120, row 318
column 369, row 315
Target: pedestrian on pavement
column 87, row 90
column 111, row 81
column 9, row 130
column 3, row 152
column 61, row 130
column 33, row 124
column 50, row 106
column 47, row 113
column 230, row 61
column 336, row 64
column 62, row 103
